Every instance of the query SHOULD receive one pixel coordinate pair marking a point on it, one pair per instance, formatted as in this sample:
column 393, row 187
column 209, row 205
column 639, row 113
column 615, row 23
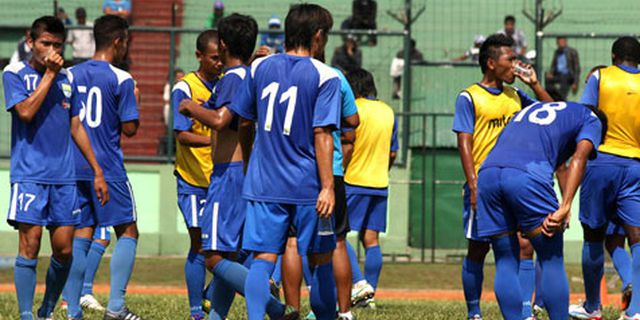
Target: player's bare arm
column 531, row 79
column 27, row 109
column 392, row 158
column 130, row 128
column 556, row 221
column 561, row 174
column 81, row 139
column 348, row 138
column 246, row 135
column 215, row 119
column 465, row 146
column 352, row 121
column 324, row 157
column 190, row 139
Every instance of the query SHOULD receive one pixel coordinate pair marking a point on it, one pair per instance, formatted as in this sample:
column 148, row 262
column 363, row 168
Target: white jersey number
column 92, row 110
column 291, row 94
column 543, row 116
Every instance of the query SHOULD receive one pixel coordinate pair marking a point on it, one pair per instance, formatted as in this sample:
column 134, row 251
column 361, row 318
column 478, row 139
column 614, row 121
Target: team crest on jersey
column 66, row 90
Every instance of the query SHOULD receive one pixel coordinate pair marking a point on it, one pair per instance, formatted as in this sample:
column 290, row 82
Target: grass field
column 409, row 277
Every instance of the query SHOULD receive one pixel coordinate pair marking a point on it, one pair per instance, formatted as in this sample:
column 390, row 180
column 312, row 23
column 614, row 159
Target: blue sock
column 73, row 288
column 622, row 262
column 122, row 261
column 527, row 275
column 592, row 271
column 634, row 305
column 93, row 263
column 24, row 277
column 195, row 275
column 554, row 277
column 356, row 274
column 208, row 291
column 507, row 286
column 539, row 293
column 373, row 265
column 323, row 295
column 221, row 299
column 257, row 284
column 307, row 274
column 472, row 277
column 56, row 278
column 277, row 273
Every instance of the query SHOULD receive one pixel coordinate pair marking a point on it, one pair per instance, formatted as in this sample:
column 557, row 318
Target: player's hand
column 53, row 61
column 326, row 203
column 529, row 77
column 263, row 51
column 556, row 221
column 186, row 106
column 101, row 189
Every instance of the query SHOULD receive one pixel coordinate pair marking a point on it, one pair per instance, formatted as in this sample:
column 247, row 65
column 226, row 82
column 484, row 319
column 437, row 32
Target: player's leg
column 554, row 277
column 628, row 210
column 101, row 240
column 24, row 274
column 342, row 272
column 539, row 291
column 61, row 238
column 373, row 257
column 357, row 206
column 633, row 232
column 592, row 265
column 614, row 243
column 292, row 275
column 527, row 275
column 506, row 251
column 73, row 288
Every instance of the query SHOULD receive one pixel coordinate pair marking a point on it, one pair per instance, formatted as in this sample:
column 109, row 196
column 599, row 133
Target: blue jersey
column 41, row 151
column 226, row 89
column 348, row 108
column 105, row 95
column 542, row 136
column 288, row 96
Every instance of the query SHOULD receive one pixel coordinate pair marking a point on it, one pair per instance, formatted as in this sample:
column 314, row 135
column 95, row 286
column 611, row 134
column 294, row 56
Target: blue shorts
column 43, row 204
column 102, row 233
column 268, row 224
column 610, row 193
column 121, row 208
column 511, row 199
column 191, row 202
column 225, row 209
column 367, row 212
column 470, row 218
column 615, row 229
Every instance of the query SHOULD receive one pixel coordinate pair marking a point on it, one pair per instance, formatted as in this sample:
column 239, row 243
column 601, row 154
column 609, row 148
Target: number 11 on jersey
column 291, row 94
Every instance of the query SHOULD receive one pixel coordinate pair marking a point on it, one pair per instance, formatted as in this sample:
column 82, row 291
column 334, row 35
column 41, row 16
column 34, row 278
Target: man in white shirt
column 519, row 39
column 81, row 39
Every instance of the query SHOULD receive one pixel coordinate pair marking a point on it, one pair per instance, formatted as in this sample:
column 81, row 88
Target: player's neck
column 233, row 62
column 204, row 76
column 628, row 64
column 491, row 81
column 103, row 55
column 300, row 52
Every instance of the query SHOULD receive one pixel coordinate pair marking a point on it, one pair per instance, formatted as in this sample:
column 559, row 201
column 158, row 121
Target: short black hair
column 204, row 38
column 491, row 49
column 626, row 49
column 509, row 18
column 362, row 83
column 48, row 24
column 303, row 22
column 603, row 121
column 239, row 33
column 108, row 28
column 81, row 12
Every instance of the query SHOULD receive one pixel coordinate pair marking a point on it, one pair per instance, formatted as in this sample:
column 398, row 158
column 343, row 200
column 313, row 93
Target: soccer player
column 224, row 212
column 295, row 100
column 611, row 184
column 193, row 159
column 482, row 111
column 515, row 191
column 101, row 240
column 109, row 109
column 369, row 154
column 43, row 189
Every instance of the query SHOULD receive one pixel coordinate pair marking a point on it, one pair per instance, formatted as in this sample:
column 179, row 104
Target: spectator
column 397, row 68
column 177, row 75
column 565, row 71
column 63, row 16
column 81, row 40
column 218, row 13
column 473, row 53
column 23, row 51
column 348, row 56
column 120, row 8
column 363, row 17
column 275, row 41
column 519, row 39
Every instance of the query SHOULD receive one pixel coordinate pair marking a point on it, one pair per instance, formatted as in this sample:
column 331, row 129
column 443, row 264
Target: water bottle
column 325, row 226
column 523, row 71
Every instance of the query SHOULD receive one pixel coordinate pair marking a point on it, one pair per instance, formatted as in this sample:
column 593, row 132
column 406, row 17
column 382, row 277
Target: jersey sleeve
column 525, row 99
column 327, row 108
column 349, row 107
column 76, row 104
column 226, row 90
column 243, row 103
column 394, row 136
column 464, row 118
column 590, row 93
column 180, row 92
column 14, row 89
column 127, row 104
column 591, row 130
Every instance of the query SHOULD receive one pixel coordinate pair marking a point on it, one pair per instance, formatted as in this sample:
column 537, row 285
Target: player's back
column 106, row 97
column 292, row 96
column 542, row 136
